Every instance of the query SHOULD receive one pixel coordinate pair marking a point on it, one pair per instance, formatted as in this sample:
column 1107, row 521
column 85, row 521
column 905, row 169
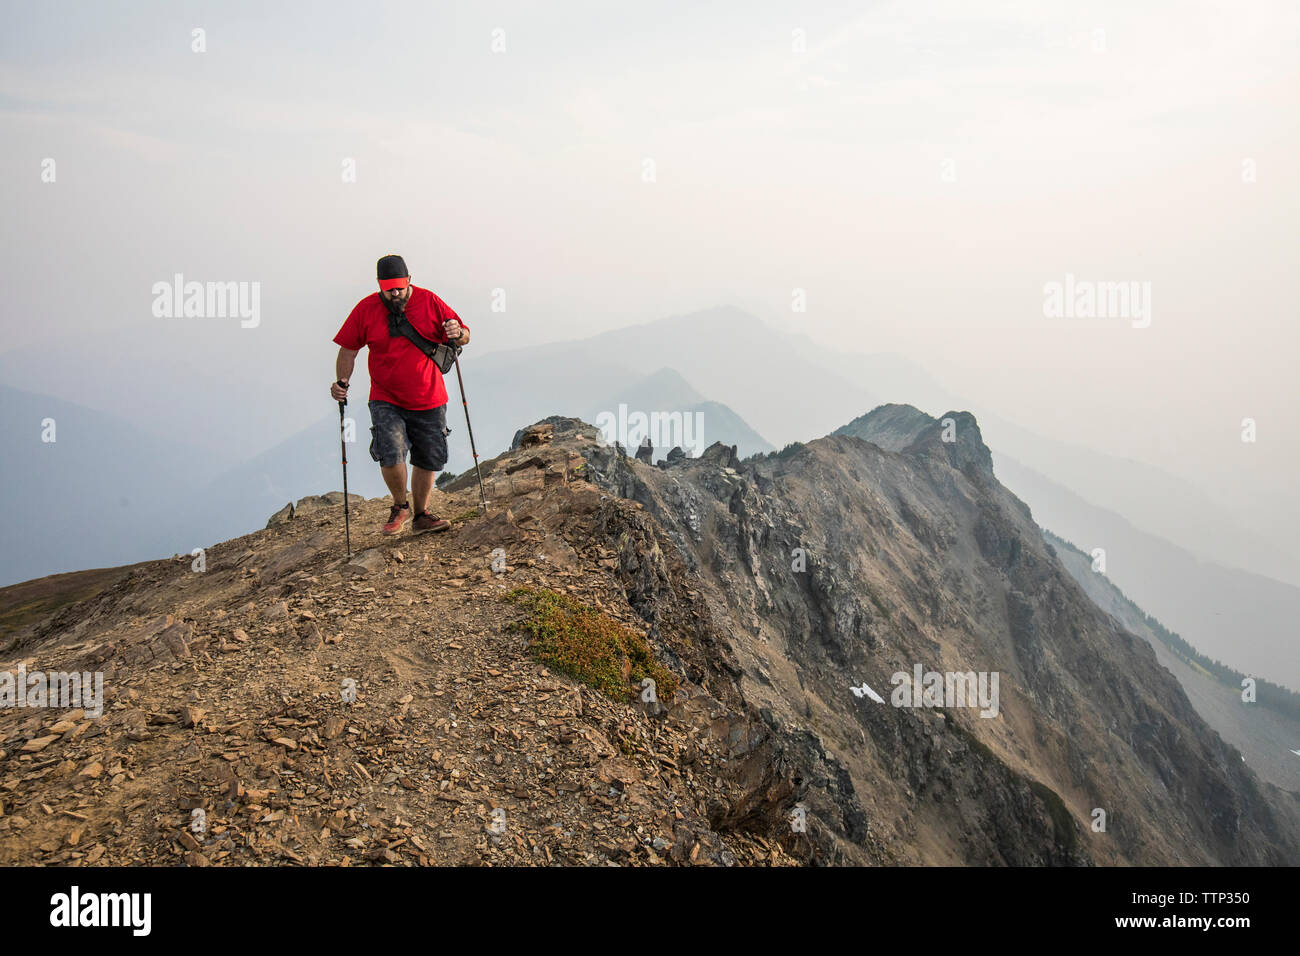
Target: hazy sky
column 920, row 169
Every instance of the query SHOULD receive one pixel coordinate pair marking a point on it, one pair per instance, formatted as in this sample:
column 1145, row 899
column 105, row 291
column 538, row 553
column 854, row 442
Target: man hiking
column 408, row 400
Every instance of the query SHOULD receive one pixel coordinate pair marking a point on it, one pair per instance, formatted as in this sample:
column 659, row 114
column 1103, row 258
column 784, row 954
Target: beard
column 396, row 314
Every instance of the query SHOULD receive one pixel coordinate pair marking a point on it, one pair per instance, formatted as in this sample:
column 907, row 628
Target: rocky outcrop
column 310, row 505
column 891, row 544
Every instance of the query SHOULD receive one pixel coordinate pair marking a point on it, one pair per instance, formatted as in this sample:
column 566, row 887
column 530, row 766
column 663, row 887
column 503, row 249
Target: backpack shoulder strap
column 441, row 354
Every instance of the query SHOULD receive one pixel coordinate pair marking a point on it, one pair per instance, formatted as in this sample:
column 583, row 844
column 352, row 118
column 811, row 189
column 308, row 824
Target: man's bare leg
column 395, row 479
column 421, row 486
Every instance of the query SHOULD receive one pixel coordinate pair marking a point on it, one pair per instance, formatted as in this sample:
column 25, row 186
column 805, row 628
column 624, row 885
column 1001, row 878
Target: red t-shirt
column 399, row 372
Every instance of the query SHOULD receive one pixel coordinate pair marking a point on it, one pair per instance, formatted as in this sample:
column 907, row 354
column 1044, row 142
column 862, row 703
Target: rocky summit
column 700, row 661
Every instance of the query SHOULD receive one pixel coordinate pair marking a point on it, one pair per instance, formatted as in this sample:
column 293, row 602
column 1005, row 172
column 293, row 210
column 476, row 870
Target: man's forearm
column 344, row 365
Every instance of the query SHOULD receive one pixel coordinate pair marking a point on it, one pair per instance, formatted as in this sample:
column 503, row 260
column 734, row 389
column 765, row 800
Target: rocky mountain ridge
column 915, row 554
column 771, row 588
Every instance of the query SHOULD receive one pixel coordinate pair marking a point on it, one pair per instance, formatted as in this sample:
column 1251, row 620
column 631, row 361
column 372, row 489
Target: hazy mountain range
column 1242, row 619
column 199, row 464
column 1267, row 736
column 103, row 492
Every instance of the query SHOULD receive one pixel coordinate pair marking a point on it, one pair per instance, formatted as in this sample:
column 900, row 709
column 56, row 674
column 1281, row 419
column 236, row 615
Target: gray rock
column 720, row 454
column 312, row 504
column 561, row 425
column 295, row 556
column 367, row 562
column 277, row 611
column 282, row 516
column 331, row 500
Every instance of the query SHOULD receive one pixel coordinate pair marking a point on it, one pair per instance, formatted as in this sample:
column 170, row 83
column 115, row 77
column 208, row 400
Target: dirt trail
column 225, row 705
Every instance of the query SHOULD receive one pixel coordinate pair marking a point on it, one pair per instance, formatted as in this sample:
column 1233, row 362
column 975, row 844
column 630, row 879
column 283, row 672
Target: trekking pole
column 470, row 428
column 343, row 447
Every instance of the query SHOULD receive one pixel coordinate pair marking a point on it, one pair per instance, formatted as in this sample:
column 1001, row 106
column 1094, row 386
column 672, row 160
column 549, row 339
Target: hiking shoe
column 397, row 518
column 427, row 522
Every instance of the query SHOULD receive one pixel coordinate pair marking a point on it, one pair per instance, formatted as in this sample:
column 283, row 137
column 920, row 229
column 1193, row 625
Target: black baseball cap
column 392, row 273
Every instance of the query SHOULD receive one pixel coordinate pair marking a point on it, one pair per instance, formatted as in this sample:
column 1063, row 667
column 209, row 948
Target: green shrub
column 589, row 645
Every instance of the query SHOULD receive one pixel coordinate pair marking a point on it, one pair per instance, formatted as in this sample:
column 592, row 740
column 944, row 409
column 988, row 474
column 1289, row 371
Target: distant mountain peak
column 720, row 318
column 954, row 436
column 666, row 375
column 892, row 426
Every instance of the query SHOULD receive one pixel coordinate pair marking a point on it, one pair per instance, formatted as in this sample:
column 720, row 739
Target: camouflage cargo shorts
column 395, row 431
